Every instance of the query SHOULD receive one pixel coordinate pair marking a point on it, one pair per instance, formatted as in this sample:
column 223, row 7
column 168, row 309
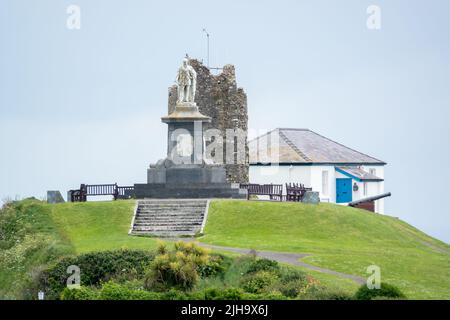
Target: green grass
column 28, row 239
column 95, row 226
column 34, row 235
column 339, row 238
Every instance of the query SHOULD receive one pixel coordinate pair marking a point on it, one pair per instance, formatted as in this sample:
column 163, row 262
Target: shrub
column 263, row 265
column 292, row 282
column 216, row 266
column 386, row 290
column 177, row 268
column 28, row 241
column 291, row 289
column 95, row 267
column 174, row 294
column 83, row 293
column 257, row 282
column 115, row 291
column 290, row 275
column 218, row 294
column 109, row 291
column 318, row 292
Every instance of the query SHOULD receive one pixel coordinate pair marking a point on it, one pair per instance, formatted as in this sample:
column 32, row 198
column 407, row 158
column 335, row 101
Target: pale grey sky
column 85, row 105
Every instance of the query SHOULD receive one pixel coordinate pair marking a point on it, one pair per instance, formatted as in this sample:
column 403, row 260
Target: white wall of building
column 325, row 187
column 280, row 174
column 313, row 177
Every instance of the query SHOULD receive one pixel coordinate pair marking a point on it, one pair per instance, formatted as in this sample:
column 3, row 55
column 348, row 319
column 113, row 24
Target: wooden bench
column 274, row 191
column 118, row 192
column 295, row 191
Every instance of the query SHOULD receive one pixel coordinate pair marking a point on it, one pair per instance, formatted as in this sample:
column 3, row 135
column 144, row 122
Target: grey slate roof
column 303, row 146
column 360, row 174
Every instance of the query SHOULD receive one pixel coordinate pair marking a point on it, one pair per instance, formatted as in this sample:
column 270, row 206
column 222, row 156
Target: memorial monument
column 185, row 172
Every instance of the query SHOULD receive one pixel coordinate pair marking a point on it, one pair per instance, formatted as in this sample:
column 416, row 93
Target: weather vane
column 207, row 46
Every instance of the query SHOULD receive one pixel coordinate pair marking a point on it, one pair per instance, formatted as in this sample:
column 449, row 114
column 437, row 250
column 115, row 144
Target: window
column 373, row 171
column 365, row 188
column 325, row 182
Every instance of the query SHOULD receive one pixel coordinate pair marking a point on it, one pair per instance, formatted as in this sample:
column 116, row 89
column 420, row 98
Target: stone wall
column 219, row 97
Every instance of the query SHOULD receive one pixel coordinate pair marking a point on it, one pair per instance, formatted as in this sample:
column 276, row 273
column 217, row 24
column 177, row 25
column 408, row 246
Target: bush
column 218, row 294
column 257, row 282
column 386, row 290
column 109, row 291
column 115, row 291
column 291, row 289
column 216, row 266
column 317, row 292
column 177, row 268
column 83, row 293
column 28, row 241
column 95, row 267
column 292, row 282
column 263, row 265
column 174, row 294
column 291, row 275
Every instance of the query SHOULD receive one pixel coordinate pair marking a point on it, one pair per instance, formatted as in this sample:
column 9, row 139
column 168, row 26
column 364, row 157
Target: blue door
column 343, row 190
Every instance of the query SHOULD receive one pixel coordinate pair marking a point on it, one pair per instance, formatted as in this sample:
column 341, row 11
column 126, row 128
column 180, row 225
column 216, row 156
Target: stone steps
column 169, row 217
column 180, row 210
column 169, row 223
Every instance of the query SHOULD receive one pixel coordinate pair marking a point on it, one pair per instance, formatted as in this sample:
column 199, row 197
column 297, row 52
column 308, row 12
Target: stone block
column 311, row 197
column 54, row 196
column 156, row 175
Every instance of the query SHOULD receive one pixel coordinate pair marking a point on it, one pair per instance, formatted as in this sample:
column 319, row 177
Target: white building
column 338, row 173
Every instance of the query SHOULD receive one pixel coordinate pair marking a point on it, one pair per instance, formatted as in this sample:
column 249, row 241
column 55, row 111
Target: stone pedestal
column 184, row 172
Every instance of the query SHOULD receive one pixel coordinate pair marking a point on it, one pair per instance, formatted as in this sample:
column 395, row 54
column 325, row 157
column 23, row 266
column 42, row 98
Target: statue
column 187, row 82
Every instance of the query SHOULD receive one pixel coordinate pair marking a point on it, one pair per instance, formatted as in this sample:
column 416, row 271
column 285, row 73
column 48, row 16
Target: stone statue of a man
column 187, row 82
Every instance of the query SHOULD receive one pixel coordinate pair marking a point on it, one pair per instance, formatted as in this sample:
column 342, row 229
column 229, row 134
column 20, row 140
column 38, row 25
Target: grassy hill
column 340, row 238
column 343, row 239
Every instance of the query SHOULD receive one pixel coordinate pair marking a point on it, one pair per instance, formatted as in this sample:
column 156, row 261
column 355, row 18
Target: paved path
column 432, row 246
column 283, row 257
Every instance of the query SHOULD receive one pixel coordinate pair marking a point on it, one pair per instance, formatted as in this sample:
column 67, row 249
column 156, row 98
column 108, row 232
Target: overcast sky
column 84, row 106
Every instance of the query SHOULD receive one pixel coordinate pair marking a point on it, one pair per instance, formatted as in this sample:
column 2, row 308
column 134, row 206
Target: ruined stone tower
column 219, row 98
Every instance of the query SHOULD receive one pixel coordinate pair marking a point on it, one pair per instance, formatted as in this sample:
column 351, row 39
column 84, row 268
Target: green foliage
column 28, row 240
column 338, row 238
column 94, row 268
column 177, row 268
column 259, row 281
column 218, row 294
column 83, row 293
column 109, row 291
column 263, row 265
column 174, row 294
column 114, row 291
column 289, row 274
column 215, row 266
column 319, row 292
column 386, row 291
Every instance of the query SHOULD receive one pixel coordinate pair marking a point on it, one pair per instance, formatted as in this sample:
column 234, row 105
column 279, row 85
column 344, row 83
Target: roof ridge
column 346, row 146
column 294, row 147
column 264, row 134
column 295, row 129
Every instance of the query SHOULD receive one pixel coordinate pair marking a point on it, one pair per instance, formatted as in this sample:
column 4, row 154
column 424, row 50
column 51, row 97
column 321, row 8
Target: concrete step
column 168, row 220
column 168, row 223
column 168, row 208
column 172, row 234
column 165, row 229
column 177, row 211
column 172, row 204
column 170, row 215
